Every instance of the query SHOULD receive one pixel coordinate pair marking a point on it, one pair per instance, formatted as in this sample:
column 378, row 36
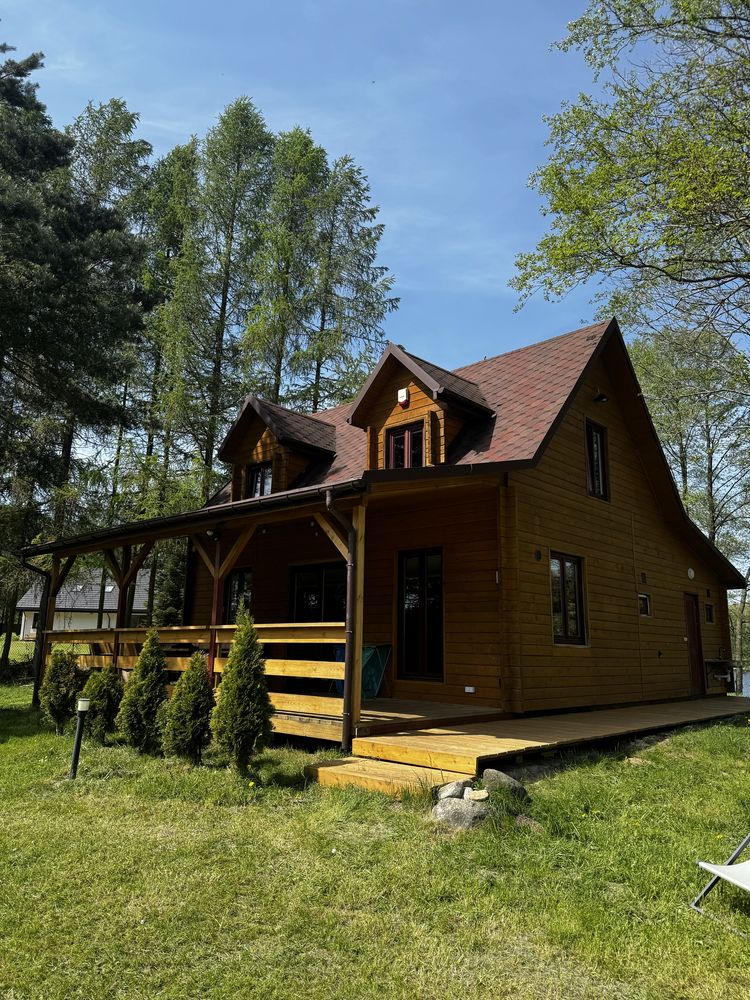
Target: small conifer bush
column 241, row 721
column 144, row 693
column 62, row 682
column 187, row 726
column 104, row 689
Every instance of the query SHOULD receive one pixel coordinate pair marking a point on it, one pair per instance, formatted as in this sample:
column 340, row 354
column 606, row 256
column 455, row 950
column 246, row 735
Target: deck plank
column 465, row 746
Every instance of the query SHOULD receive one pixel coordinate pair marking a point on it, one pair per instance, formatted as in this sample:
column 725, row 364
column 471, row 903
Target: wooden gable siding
column 385, row 413
column 262, row 446
column 463, row 523
column 627, row 657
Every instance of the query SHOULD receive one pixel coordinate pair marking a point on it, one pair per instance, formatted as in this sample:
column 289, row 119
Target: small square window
column 709, row 614
column 644, row 605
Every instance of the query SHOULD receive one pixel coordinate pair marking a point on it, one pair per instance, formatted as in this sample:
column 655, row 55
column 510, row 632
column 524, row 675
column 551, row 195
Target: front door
column 420, row 615
column 694, row 646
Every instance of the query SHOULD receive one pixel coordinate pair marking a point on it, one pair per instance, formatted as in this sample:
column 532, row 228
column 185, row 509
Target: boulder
column 494, row 780
column 454, row 789
column 527, row 823
column 459, row 814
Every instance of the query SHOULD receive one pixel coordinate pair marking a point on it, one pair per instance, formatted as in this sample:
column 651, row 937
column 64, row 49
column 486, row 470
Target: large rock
column 495, row 780
column 459, row 814
column 454, row 789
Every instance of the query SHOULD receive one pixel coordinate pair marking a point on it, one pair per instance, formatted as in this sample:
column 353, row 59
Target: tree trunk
column 66, row 463
column 102, row 594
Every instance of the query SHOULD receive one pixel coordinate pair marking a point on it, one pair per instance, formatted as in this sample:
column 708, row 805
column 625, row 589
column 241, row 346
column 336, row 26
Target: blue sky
column 441, row 103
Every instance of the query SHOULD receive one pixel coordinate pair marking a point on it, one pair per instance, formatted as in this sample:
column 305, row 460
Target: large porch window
column 238, row 593
column 420, row 611
column 319, row 592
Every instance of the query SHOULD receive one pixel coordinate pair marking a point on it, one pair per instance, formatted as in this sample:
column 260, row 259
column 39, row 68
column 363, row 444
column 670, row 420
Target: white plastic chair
column 735, row 874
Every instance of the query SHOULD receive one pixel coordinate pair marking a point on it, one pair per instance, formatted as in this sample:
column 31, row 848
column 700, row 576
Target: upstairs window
column 404, row 447
column 596, row 461
column 258, row 480
column 566, row 573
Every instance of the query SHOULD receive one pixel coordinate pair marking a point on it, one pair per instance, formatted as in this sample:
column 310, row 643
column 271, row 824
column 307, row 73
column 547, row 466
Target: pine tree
column 187, row 729
column 104, row 689
column 241, row 721
column 144, row 693
column 62, row 682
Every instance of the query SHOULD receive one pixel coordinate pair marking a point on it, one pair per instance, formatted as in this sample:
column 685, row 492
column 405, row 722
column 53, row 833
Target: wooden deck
column 466, row 748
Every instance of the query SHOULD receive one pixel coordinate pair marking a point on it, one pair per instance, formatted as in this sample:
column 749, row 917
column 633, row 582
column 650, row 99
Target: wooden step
column 408, row 748
column 378, row 775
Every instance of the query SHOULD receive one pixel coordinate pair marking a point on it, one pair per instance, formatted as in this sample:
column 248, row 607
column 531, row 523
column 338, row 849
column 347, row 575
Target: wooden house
column 498, row 540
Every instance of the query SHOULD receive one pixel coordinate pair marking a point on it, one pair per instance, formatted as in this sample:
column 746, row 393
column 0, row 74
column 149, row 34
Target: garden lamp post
column 83, row 707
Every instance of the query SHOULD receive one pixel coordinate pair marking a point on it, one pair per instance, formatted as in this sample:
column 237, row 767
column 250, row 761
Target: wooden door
column 694, row 646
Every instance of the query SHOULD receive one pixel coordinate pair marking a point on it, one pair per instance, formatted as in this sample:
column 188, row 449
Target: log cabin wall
column 623, row 542
column 385, row 413
column 461, row 521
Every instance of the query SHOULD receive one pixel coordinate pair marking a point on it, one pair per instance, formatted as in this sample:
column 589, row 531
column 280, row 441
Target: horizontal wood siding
column 385, row 413
column 627, row 657
column 463, row 522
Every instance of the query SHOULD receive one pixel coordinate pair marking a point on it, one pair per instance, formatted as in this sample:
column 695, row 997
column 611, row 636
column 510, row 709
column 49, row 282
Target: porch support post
column 51, row 587
column 358, row 520
column 215, row 609
column 122, row 570
column 355, row 565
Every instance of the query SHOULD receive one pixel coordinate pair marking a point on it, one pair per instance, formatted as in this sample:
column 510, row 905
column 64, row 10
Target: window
column 709, row 614
column 319, row 593
column 596, row 461
column 420, row 610
column 258, row 480
column 567, row 598
column 237, row 593
column 644, row 605
column 405, row 447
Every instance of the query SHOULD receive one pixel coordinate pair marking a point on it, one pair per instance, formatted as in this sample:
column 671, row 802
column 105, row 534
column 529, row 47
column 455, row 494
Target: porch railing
column 281, row 641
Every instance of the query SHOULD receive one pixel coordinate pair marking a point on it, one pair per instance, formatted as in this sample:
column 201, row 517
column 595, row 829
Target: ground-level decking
column 430, row 756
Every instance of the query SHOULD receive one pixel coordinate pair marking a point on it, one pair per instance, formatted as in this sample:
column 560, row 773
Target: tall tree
column 235, row 172
column 648, row 184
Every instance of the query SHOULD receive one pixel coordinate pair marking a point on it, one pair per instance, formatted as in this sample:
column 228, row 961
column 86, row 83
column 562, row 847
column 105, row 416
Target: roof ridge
column 527, row 347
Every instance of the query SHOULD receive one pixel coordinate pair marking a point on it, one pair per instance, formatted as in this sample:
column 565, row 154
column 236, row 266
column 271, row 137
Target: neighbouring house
column 501, row 539
column 78, row 602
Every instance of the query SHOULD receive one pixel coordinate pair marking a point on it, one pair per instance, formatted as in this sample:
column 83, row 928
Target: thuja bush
column 241, row 721
column 104, row 689
column 187, row 717
column 62, row 682
column 137, row 718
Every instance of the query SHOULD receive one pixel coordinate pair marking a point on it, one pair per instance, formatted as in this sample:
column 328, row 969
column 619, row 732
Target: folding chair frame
column 713, row 882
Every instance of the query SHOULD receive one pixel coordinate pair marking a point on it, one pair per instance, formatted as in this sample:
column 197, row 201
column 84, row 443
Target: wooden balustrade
column 122, row 645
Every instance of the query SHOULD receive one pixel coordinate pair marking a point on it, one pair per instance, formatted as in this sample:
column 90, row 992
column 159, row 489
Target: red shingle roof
column 526, row 388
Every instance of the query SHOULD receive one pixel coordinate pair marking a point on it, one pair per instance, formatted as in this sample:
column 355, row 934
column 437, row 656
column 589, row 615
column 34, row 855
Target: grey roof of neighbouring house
column 81, row 593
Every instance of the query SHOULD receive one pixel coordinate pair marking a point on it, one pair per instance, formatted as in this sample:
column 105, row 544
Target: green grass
column 146, row 878
column 20, row 649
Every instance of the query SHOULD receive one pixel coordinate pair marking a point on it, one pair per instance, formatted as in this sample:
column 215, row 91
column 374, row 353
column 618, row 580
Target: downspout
column 348, row 526
column 41, row 627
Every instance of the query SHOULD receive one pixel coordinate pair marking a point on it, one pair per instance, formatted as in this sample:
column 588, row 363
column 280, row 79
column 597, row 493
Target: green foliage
column 170, row 584
column 645, row 185
column 187, row 728
column 137, row 718
column 62, row 682
column 241, row 721
column 104, row 689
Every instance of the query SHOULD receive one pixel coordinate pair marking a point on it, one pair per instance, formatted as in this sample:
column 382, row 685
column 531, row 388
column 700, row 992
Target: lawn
column 146, row 878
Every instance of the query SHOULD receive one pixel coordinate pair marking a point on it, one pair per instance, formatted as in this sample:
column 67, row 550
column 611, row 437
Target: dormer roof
column 298, row 430
column 441, row 384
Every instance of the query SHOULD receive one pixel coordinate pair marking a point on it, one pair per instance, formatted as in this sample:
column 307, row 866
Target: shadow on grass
column 18, row 721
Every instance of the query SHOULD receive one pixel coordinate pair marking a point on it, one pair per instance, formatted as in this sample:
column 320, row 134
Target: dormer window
column 258, row 480
column 405, row 447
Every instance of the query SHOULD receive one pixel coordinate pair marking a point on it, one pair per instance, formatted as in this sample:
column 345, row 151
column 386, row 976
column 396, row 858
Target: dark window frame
column 568, row 637
column 392, row 433
column 258, row 479
column 321, row 567
column 402, row 670
column 232, row 583
column 598, row 490
column 648, row 613
column 709, row 614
